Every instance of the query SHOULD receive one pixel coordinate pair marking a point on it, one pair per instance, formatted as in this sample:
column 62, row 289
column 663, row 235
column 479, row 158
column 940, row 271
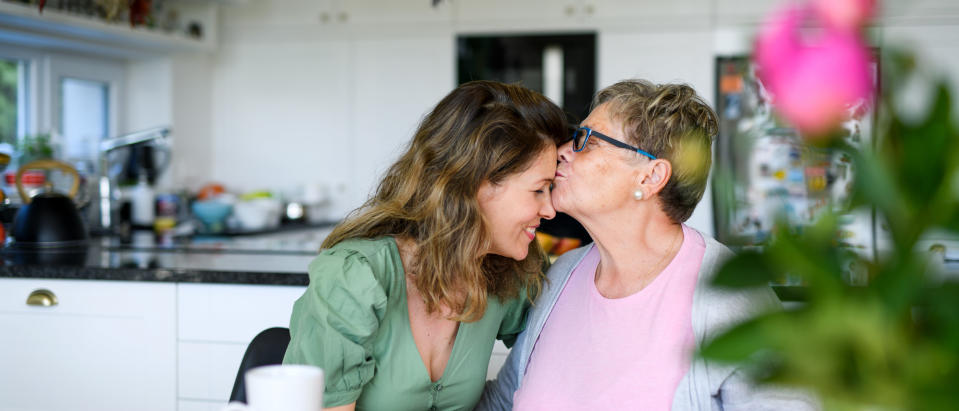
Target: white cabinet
column 105, row 346
column 378, row 12
column 733, row 12
column 215, row 324
column 482, row 15
column 635, row 15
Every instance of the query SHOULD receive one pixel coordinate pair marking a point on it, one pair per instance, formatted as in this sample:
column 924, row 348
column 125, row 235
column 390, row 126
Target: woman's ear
column 656, row 176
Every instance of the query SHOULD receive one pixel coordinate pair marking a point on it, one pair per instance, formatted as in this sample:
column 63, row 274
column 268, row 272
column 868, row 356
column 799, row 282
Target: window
column 13, row 99
column 57, row 105
column 84, row 120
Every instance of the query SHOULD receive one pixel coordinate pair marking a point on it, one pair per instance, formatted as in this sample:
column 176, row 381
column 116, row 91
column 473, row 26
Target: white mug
column 282, row 388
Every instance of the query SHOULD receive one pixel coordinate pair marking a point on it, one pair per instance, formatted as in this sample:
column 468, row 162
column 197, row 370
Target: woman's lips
column 531, row 232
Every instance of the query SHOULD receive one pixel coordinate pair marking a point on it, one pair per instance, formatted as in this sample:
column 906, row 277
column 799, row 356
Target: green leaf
column 739, row 343
column 747, row 269
column 938, row 317
column 813, row 254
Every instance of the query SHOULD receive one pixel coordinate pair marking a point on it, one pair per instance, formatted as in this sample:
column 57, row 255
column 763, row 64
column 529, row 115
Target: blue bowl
column 211, row 212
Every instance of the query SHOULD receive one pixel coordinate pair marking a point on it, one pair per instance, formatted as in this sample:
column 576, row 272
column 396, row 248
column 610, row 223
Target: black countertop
column 278, row 258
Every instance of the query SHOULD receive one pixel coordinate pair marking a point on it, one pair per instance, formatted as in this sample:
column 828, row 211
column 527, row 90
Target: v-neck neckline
column 409, row 326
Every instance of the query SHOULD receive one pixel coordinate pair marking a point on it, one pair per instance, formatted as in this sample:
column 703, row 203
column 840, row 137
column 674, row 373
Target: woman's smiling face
column 513, row 208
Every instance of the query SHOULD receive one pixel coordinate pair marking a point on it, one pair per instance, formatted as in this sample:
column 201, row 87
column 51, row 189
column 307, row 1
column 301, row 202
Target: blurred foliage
column 9, row 74
column 34, row 147
column 894, row 343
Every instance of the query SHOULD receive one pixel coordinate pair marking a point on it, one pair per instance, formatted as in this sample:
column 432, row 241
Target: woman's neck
column 633, row 251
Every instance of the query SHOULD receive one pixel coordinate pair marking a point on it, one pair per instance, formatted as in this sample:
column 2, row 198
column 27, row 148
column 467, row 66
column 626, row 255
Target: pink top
column 626, row 353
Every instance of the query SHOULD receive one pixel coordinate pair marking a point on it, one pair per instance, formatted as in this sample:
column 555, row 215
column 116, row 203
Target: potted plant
column 892, row 344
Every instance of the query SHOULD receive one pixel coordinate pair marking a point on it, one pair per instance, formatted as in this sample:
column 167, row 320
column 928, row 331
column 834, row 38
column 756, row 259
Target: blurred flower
column 845, row 14
column 813, row 75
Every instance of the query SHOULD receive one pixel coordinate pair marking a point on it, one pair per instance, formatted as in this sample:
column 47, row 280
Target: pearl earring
column 638, row 194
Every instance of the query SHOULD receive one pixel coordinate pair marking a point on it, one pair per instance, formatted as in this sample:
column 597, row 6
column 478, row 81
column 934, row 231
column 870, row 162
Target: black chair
column 267, row 348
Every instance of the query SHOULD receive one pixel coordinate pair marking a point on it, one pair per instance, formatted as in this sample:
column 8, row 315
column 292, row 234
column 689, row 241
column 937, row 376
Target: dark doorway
column 561, row 66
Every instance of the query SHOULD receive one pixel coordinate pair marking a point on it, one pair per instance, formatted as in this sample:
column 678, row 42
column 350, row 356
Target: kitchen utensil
column 212, row 213
column 258, row 213
column 48, row 219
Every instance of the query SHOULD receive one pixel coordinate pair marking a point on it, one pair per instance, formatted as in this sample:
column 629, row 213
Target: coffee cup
column 285, row 387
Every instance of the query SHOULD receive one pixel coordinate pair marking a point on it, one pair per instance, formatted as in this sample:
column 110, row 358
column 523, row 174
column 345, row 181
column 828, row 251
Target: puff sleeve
column 334, row 323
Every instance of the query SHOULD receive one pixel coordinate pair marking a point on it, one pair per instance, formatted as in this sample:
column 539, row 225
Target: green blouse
column 353, row 322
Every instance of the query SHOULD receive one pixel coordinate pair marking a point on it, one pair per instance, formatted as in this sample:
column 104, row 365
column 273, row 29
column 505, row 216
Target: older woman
column 618, row 323
column 411, row 291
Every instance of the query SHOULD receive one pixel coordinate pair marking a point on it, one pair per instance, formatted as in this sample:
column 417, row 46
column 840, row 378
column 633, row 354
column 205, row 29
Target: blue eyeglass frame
column 608, row 139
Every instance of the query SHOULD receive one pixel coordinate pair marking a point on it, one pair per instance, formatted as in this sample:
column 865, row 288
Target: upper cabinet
column 396, row 12
column 540, row 15
column 481, row 15
column 180, row 25
column 636, row 15
column 745, row 12
column 315, row 20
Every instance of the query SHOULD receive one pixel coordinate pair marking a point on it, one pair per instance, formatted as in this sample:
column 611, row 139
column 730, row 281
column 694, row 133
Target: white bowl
column 257, row 214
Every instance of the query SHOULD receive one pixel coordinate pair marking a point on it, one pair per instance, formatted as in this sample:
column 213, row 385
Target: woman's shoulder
column 569, row 260
column 727, row 306
column 358, row 259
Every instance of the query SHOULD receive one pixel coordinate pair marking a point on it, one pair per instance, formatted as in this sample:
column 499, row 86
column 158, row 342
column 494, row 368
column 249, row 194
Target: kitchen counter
column 279, row 258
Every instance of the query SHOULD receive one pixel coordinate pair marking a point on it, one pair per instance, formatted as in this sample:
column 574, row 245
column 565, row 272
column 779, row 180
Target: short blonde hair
column 673, row 123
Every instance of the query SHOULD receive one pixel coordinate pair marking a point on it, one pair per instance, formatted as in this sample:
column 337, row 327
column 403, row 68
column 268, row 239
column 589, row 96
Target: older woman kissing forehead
column 616, row 326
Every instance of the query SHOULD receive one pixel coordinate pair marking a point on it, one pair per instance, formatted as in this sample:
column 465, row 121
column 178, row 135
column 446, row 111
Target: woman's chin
column 519, row 255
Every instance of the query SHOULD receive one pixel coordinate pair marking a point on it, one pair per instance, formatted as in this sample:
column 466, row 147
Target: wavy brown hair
column 673, row 123
column 481, row 131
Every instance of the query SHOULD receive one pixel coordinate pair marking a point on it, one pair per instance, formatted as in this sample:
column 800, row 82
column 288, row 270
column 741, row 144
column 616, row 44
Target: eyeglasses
column 582, row 134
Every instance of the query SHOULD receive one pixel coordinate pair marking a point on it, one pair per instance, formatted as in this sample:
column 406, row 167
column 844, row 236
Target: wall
column 296, row 101
column 303, row 92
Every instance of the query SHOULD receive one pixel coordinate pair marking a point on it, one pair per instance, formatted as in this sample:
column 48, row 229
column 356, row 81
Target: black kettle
column 49, row 219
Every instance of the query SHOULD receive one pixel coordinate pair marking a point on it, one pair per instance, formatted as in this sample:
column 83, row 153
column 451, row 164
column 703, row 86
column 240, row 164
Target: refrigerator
column 765, row 173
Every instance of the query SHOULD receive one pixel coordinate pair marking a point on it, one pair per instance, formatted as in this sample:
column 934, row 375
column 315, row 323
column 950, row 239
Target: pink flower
column 814, row 76
column 845, row 14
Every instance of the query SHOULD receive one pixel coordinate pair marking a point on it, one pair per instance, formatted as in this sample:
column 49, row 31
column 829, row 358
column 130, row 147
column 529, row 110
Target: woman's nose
column 546, row 210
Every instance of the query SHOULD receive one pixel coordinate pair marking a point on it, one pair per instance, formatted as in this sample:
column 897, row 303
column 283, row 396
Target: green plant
column 894, row 343
column 34, row 147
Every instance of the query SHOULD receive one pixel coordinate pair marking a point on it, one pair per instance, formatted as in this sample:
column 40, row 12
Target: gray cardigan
column 707, row 385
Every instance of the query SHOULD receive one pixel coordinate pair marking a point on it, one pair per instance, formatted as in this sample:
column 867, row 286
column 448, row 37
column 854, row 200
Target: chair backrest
column 267, row 348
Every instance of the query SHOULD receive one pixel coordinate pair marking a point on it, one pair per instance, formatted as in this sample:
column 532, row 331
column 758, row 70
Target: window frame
column 30, row 120
column 45, row 71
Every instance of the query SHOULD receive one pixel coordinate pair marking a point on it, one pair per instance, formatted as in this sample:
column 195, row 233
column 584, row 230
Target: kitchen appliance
column 124, row 159
column 146, row 158
column 765, row 173
column 49, row 219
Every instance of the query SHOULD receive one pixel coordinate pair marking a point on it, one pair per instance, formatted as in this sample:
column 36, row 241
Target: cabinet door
column 105, row 346
column 745, row 11
column 517, row 15
column 631, row 14
column 396, row 13
column 216, row 323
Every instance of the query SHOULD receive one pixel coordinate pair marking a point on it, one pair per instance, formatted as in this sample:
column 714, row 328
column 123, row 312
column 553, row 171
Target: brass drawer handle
column 42, row 298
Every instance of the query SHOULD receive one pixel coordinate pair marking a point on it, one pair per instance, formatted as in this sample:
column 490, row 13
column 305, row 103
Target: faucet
column 105, row 181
